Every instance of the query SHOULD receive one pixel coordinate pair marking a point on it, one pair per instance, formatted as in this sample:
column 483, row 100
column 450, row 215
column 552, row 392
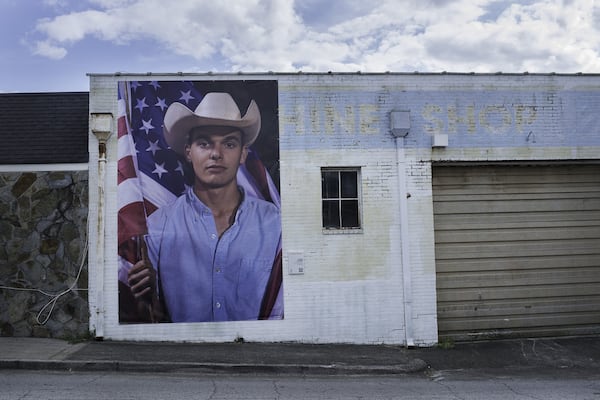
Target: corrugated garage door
column 517, row 250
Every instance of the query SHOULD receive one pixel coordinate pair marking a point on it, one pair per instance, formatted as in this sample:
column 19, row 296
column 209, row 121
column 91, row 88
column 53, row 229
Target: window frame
column 341, row 229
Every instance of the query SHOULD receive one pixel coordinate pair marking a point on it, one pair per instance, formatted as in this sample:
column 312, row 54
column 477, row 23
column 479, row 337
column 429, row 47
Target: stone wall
column 43, row 235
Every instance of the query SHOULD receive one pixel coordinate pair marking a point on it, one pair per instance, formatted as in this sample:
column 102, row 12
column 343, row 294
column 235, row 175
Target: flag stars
column 153, row 147
column 147, row 126
column 135, row 85
column 161, row 103
column 186, row 96
column 179, row 168
column 155, row 85
column 141, row 104
column 159, row 169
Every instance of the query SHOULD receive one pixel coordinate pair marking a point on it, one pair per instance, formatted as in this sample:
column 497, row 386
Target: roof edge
column 240, row 73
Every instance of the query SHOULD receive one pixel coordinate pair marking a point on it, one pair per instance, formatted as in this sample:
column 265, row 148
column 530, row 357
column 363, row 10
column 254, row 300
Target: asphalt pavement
column 559, row 354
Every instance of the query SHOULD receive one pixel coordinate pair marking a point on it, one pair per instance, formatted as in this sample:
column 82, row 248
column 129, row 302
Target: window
column 340, row 194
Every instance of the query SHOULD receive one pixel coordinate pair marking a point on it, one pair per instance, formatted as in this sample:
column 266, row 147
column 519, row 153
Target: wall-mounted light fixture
column 439, row 140
column 101, row 127
column 400, row 123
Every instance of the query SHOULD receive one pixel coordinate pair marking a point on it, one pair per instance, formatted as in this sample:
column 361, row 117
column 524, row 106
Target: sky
column 51, row 45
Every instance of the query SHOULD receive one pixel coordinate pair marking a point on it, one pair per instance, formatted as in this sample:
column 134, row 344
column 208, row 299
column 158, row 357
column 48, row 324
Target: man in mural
column 209, row 255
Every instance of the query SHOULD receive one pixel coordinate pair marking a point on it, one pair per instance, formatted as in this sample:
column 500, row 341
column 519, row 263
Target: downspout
column 101, row 125
column 400, row 126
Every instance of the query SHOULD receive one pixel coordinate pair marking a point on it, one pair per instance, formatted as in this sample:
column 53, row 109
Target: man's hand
column 142, row 281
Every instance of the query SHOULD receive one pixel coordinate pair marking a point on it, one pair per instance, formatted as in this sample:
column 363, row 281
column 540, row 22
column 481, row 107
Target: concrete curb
column 415, row 365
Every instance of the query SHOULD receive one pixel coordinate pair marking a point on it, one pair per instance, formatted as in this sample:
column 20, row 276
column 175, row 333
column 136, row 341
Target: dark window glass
column 349, row 213
column 349, row 187
column 330, row 182
column 331, row 214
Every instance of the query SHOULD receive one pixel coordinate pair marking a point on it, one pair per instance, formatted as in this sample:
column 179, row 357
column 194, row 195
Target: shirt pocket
column 252, row 281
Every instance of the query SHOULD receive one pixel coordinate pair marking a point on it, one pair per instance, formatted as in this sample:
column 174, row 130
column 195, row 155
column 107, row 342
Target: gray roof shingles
column 44, row 128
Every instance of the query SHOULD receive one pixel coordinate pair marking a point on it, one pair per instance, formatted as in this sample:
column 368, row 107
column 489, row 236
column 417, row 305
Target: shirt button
column 213, row 236
column 218, row 270
column 218, row 305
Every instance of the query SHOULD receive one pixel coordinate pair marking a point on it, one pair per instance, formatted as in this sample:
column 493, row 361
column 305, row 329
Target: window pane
column 331, row 214
column 330, row 184
column 349, row 188
column 350, row 214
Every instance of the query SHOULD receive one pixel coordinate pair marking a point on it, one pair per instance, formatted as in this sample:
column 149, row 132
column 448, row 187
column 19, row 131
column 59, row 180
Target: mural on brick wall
column 199, row 227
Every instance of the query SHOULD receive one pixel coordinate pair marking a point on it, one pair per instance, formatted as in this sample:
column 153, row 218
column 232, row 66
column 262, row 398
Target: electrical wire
column 55, row 296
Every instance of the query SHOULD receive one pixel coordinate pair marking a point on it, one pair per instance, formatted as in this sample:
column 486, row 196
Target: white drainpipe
column 400, row 126
column 101, row 125
column 405, row 244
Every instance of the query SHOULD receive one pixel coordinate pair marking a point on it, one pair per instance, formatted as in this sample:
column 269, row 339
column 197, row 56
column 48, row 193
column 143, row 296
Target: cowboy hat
column 215, row 109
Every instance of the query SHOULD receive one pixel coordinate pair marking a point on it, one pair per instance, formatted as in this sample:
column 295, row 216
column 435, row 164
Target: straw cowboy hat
column 215, row 109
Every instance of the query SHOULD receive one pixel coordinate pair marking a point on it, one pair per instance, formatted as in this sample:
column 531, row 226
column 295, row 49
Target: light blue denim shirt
column 204, row 278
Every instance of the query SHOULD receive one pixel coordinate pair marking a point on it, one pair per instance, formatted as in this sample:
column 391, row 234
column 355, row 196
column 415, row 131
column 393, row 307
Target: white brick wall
column 352, row 288
column 351, row 279
column 102, row 285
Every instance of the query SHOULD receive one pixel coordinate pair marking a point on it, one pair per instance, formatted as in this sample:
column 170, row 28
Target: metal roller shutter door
column 517, row 250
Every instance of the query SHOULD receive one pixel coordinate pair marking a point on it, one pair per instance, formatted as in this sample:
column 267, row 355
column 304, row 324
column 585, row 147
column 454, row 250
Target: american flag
column 150, row 175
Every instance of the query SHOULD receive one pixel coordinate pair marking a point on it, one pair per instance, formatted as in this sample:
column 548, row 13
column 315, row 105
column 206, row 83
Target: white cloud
column 48, row 50
column 321, row 35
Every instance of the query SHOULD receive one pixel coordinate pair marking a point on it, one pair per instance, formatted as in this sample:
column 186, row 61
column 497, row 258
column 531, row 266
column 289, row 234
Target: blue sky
column 50, row 45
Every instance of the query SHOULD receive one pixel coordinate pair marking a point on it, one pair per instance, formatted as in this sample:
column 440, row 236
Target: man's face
column 215, row 154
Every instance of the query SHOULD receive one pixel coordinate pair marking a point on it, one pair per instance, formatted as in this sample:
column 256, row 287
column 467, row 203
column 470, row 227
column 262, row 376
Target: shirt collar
column 202, row 208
